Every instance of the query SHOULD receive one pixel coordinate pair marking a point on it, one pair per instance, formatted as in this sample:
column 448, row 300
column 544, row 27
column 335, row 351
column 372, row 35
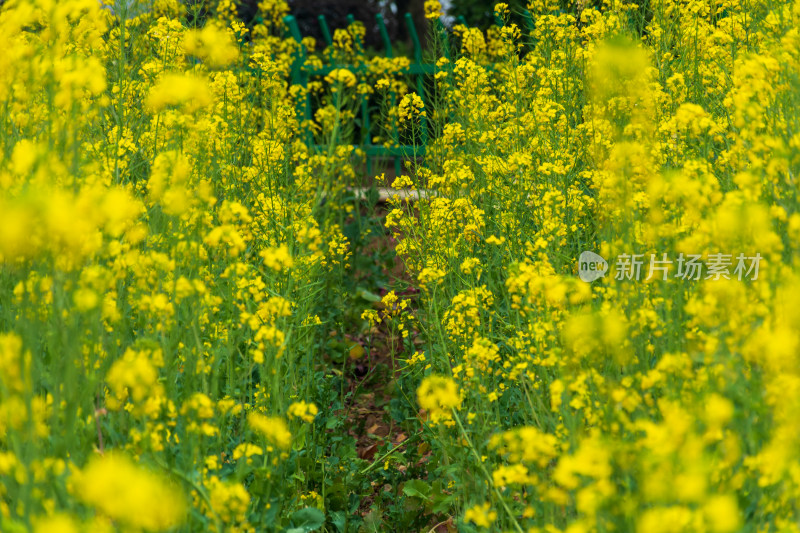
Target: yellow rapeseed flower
column 722, row 514
column 134, row 496
column 433, row 9
column 214, row 44
column 304, row 411
column 341, row 75
column 277, row 258
column 271, row 427
column 410, row 106
column 134, row 376
column 229, row 500
column 188, row 92
column 481, row 515
column 439, row 395
column 58, row 523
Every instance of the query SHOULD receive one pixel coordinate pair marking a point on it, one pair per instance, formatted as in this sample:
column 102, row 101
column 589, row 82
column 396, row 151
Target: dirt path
column 373, row 370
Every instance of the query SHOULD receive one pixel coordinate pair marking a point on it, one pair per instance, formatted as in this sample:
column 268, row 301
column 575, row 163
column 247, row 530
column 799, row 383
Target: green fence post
column 300, row 56
column 326, row 36
column 387, row 43
column 412, row 31
column 350, row 21
column 326, row 32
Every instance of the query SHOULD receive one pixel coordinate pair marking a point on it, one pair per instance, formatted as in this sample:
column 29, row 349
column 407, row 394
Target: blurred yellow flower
column 342, row 76
column 481, row 515
column 722, row 514
column 130, row 494
column 212, row 43
column 439, row 395
column 277, row 258
column 304, row 411
column 273, row 428
column 58, row 523
column 186, row 91
column 433, row 9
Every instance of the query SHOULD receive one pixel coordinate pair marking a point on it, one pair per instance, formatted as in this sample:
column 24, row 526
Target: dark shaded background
column 480, row 13
column 476, row 13
column 336, row 11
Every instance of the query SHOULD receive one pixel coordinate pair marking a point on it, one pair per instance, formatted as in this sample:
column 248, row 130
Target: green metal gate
column 302, row 72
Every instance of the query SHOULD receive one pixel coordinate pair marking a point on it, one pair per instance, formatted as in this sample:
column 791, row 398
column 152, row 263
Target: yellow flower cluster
column 304, row 411
column 190, row 93
column 439, row 396
column 274, row 429
column 129, row 494
column 341, row 76
column 481, row 515
column 177, row 255
column 66, row 224
column 433, row 9
column 134, row 378
column 616, row 403
column 411, row 106
column 162, row 257
column 213, row 44
column 277, row 258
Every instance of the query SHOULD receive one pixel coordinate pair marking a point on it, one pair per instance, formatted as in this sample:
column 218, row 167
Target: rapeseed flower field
column 580, row 317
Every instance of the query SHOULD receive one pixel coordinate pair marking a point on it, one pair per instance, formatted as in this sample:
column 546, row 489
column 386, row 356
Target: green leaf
column 300, row 438
column 443, row 503
column 416, row 488
column 339, row 520
column 367, row 295
column 374, row 520
column 307, row 520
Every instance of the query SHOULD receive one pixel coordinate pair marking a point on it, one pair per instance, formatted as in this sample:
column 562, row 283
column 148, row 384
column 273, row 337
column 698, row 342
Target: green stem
column 198, row 488
column 375, row 463
column 486, row 473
